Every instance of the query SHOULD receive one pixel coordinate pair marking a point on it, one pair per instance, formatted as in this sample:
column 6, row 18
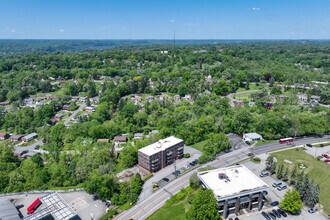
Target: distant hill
column 19, row 46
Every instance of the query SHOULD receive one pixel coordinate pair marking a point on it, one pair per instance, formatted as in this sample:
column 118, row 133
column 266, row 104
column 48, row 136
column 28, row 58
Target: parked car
column 313, row 210
column 276, row 184
column 282, row 212
column 281, row 187
column 174, row 173
column 250, row 154
column 186, row 167
column 272, row 215
column 166, row 179
column 264, row 173
column 196, row 161
column 236, row 218
column 265, row 215
column 278, row 215
column 326, row 156
column 248, row 142
column 178, row 172
column 275, row 203
column 309, row 145
column 327, row 160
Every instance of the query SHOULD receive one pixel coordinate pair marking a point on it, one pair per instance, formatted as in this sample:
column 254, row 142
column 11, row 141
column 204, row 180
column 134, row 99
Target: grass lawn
column 200, row 145
column 317, row 170
column 242, row 96
column 265, row 142
column 176, row 211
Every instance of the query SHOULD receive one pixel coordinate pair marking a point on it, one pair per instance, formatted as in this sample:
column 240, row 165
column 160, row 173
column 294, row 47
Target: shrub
column 187, row 155
column 147, row 177
column 318, row 157
column 110, row 213
column 256, row 160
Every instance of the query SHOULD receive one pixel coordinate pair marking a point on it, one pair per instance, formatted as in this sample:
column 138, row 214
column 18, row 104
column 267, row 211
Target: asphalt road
column 66, row 122
column 146, row 206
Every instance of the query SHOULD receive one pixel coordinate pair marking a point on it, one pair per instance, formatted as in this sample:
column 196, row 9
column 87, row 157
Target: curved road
column 147, row 206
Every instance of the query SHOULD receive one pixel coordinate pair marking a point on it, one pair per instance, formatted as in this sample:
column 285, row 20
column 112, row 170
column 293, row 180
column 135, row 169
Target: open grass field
column 176, row 211
column 242, row 96
column 200, row 145
column 317, row 170
column 252, row 87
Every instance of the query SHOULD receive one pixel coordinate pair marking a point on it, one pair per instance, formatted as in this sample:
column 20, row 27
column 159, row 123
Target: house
column 153, row 132
column 28, row 101
column 177, row 98
column 29, row 154
column 83, row 115
column 16, row 138
column 188, row 97
column 150, row 98
column 103, row 140
column 66, row 107
column 39, row 99
column 239, row 103
column 90, row 109
column 163, row 96
column 272, row 96
column 29, row 137
column 59, row 116
column 74, row 98
column 52, row 97
column 19, row 152
column 4, row 136
column 4, row 103
column 53, row 120
column 315, row 98
column 208, row 78
column 138, row 136
column 120, row 139
column 200, row 51
column 302, row 97
column 282, row 97
column 83, row 99
column 136, row 99
column 94, row 100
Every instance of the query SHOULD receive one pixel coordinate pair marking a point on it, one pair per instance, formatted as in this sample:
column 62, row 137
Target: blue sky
column 156, row 19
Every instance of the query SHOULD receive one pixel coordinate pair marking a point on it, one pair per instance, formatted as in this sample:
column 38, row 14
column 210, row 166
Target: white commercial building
column 252, row 137
column 235, row 188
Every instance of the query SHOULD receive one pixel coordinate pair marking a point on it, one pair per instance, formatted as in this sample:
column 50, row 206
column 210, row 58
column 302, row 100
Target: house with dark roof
column 4, row 136
column 120, row 139
column 16, row 138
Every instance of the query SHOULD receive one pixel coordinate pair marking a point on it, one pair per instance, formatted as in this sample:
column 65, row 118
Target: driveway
column 66, row 122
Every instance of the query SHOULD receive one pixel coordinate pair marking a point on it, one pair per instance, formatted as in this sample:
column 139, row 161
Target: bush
column 256, row 160
column 147, row 177
column 109, row 214
column 318, row 157
column 187, row 155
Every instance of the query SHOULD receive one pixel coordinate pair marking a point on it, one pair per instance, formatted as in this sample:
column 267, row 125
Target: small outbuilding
column 29, row 137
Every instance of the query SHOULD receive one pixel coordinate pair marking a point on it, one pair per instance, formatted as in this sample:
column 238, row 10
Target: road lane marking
column 157, row 199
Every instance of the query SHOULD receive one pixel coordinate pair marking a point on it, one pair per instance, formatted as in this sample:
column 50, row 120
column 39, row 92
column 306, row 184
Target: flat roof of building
column 253, row 135
column 160, row 145
column 235, row 180
column 32, row 135
column 8, row 210
column 55, row 206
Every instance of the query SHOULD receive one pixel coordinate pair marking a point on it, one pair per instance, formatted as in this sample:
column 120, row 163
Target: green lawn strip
column 265, row 142
column 176, row 211
column 242, row 96
column 317, row 170
column 318, row 145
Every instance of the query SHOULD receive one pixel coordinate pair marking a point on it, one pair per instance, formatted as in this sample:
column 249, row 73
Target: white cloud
column 61, row 30
column 172, row 20
column 12, row 30
column 255, row 9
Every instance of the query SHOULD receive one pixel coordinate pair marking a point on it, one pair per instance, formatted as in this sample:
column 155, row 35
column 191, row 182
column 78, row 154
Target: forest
column 75, row 157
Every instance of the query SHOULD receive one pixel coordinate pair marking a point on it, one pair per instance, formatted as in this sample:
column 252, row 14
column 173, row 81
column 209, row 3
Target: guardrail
column 41, row 191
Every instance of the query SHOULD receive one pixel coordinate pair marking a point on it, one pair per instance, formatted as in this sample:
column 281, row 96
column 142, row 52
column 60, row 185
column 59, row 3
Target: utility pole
column 131, row 194
column 214, row 150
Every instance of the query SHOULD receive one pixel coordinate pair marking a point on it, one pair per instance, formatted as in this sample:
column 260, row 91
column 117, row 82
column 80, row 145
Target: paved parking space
column 274, row 195
column 318, row 151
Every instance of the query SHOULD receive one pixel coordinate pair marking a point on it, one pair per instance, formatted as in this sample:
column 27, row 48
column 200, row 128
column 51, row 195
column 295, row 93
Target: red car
column 326, row 156
column 327, row 161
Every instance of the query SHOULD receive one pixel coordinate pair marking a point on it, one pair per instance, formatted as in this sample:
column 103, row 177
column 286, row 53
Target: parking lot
column 273, row 195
